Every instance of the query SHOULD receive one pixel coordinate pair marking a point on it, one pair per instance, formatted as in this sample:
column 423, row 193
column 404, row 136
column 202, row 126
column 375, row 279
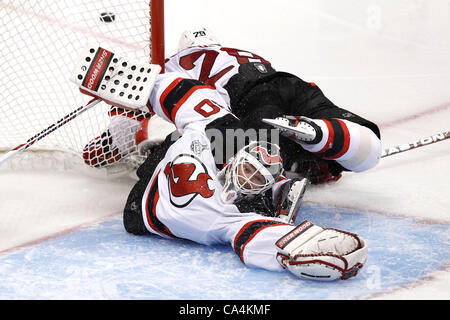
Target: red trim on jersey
column 172, row 114
column 329, row 142
column 244, row 228
column 185, row 97
column 155, row 202
column 149, row 214
column 346, row 141
column 166, row 92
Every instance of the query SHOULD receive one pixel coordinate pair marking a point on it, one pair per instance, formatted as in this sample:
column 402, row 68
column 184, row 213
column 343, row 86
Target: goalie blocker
column 114, row 79
column 312, row 252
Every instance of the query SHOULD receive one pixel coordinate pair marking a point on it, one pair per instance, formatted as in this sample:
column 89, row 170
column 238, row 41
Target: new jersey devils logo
column 187, row 177
column 266, row 157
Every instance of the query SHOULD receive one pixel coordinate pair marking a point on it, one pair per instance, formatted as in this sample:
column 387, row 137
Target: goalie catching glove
column 312, row 252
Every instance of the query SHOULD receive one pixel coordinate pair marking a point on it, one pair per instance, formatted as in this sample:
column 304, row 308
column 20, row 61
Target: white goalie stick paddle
column 415, row 144
column 8, row 155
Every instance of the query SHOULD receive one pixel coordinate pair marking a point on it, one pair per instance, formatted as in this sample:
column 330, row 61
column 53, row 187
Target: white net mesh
column 41, row 40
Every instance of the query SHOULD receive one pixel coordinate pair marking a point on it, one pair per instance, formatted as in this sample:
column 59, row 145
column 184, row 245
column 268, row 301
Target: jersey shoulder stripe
column 176, row 93
column 249, row 231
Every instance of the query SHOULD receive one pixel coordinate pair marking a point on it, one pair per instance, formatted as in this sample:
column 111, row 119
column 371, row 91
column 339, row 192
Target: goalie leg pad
column 312, row 252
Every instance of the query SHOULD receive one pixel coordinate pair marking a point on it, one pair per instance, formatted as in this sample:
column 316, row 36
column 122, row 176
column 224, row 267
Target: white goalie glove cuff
column 312, row 252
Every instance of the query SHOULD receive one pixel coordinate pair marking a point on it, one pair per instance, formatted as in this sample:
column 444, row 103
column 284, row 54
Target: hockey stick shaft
column 8, row 155
column 415, row 144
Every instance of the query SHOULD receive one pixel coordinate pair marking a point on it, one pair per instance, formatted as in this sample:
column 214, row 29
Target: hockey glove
column 312, row 252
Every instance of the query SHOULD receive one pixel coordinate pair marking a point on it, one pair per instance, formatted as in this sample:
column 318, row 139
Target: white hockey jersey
column 182, row 198
column 213, row 65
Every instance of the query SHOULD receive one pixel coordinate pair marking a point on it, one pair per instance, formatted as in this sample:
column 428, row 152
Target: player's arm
column 308, row 251
column 187, row 103
column 191, row 105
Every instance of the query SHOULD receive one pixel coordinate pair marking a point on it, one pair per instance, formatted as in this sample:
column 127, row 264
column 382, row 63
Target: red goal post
column 41, row 40
column 157, row 32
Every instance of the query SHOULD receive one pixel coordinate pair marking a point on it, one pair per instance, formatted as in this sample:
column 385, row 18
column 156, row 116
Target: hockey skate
column 291, row 199
column 299, row 129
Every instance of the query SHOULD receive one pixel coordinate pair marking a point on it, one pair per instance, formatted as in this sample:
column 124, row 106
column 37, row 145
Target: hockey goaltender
column 223, row 179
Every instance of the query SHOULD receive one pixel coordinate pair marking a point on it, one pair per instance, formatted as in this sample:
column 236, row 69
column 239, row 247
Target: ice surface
column 104, row 262
column 387, row 61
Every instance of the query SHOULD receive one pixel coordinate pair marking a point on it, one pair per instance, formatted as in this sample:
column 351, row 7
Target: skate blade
column 278, row 124
column 302, row 135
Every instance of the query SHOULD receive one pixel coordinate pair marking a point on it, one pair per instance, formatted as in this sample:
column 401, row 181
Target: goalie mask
column 197, row 37
column 253, row 170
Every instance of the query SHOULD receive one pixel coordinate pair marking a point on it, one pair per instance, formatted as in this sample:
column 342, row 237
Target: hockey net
column 41, row 40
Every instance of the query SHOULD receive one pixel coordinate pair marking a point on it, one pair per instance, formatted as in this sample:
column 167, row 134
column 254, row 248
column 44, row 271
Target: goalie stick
column 8, row 155
column 415, row 144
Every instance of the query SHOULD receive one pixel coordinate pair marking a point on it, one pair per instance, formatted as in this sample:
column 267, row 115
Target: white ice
column 385, row 60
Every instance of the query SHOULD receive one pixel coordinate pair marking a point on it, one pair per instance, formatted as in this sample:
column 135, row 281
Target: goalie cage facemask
column 266, row 165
